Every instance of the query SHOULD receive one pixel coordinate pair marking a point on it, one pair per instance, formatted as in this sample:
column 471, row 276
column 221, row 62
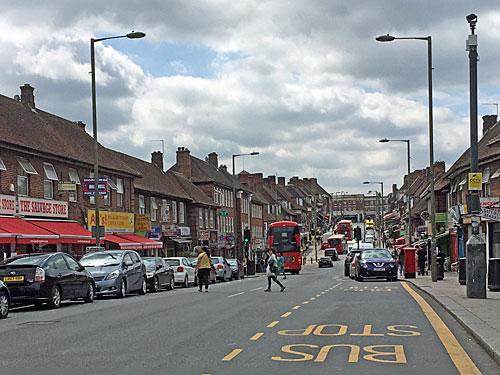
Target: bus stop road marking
column 231, row 355
column 257, row 336
column 462, row 361
column 287, row 314
column 272, row 324
column 295, row 307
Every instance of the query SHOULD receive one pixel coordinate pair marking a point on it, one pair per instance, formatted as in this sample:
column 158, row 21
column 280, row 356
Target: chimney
column 157, row 159
column 184, row 162
column 223, row 167
column 439, row 167
column 270, row 181
column 294, row 181
column 488, row 122
column 394, row 189
column 281, row 181
column 213, row 159
column 27, row 96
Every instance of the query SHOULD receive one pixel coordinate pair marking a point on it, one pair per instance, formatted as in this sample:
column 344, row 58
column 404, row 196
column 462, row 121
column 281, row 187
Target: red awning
column 68, row 231
column 6, row 237
column 146, row 242
column 122, row 242
column 401, row 246
column 27, row 233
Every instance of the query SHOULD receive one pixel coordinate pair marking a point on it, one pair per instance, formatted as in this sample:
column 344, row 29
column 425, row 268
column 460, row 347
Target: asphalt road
column 323, row 323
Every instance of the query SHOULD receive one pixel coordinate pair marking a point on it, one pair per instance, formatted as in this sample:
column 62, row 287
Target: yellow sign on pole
column 120, row 222
column 142, row 223
column 475, row 181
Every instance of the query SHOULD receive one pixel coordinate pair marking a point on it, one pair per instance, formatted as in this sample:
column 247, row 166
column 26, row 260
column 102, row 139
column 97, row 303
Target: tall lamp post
column 381, row 207
column 235, row 226
column 390, row 38
column 132, row 35
column 408, row 182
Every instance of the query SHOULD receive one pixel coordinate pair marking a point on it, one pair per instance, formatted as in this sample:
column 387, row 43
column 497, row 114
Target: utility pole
column 476, row 247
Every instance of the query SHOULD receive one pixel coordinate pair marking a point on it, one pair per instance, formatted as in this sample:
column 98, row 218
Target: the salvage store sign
column 42, row 207
column 7, row 204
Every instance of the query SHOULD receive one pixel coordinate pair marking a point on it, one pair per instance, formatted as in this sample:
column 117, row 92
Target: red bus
column 284, row 237
column 345, row 227
column 338, row 242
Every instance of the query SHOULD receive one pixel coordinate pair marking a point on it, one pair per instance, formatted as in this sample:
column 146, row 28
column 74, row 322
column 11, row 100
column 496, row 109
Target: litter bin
column 251, row 267
column 462, row 269
column 440, row 268
column 410, row 262
column 494, row 274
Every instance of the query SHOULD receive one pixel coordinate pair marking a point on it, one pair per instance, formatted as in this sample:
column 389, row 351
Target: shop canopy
column 145, row 242
column 26, row 232
column 123, row 243
column 68, row 231
column 6, row 237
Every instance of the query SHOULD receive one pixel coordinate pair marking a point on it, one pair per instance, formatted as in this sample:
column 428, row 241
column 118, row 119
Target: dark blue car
column 376, row 264
column 4, row 300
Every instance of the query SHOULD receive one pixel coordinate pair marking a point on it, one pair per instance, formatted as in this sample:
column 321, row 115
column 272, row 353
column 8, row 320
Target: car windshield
column 215, row 260
column 375, row 254
column 149, row 263
column 35, row 260
column 101, row 259
column 324, row 258
column 232, row 262
column 194, row 261
column 173, row 262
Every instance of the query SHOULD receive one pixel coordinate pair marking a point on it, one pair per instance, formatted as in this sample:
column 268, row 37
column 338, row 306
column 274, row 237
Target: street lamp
column 235, row 224
column 132, row 35
column 381, row 207
column 390, row 38
column 408, row 182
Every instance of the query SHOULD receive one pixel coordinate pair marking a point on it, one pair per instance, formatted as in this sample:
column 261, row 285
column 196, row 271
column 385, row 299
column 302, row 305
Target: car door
column 189, row 269
column 128, row 270
column 161, row 269
column 64, row 277
column 137, row 269
column 80, row 279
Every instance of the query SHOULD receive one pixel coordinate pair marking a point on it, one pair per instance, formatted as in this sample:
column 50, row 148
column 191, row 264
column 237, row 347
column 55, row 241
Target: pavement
column 480, row 317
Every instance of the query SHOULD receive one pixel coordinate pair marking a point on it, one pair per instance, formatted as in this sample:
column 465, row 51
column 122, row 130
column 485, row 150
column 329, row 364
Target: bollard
column 440, row 268
column 494, row 274
column 462, row 269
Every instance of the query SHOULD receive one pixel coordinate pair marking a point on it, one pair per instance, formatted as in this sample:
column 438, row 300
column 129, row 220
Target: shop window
column 119, row 192
column 142, row 205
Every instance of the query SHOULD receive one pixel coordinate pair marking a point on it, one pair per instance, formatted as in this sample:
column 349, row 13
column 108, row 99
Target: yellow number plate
column 13, row 278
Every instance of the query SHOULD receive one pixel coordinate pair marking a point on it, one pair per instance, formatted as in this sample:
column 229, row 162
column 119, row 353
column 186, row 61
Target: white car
column 184, row 271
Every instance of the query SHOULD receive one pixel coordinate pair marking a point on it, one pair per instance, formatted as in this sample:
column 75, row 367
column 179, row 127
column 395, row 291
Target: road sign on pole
column 88, row 186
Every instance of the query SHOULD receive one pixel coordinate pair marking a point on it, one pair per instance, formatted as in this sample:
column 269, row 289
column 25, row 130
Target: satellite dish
column 424, row 215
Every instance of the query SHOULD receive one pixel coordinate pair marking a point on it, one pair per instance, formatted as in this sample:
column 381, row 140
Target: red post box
column 410, row 262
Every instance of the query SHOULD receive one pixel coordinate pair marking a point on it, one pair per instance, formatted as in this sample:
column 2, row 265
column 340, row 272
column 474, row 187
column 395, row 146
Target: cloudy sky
column 303, row 82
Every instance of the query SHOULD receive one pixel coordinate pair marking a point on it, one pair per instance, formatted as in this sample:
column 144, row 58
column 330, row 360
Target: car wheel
column 89, row 298
column 55, row 297
column 4, row 305
column 156, row 285
column 144, row 287
column 170, row 285
column 185, row 283
column 231, row 277
column 122, row 292
column 214, row 280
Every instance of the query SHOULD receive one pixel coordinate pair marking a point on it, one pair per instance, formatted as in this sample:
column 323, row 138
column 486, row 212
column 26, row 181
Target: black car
column 325, row 262
column 332, row 253
column 348, row 259
column 4, row 300
column 376, row 264
column 46, row 277
column 158, row 273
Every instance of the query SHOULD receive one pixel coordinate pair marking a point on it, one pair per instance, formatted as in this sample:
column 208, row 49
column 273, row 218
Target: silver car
column 222, row 269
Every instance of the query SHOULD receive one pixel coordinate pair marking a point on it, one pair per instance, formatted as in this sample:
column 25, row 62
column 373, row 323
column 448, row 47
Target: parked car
column 349, row 258
column 332, row 253
column 237, row 268
column 46, row 277
column 184, row 271
column 158, row 273
column 222, row 269
column 376, row 264
column 116, row 272
column 325, row 262
column 212, row 277
column 4, row 300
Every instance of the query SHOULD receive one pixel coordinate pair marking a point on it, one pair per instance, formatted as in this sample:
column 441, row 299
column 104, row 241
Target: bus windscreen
column 284, row 238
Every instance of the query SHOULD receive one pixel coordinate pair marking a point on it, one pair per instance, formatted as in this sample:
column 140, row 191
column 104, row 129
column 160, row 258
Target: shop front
column 178, row 241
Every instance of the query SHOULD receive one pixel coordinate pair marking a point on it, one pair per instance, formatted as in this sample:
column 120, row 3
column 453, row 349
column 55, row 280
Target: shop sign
column 185, row 231
column 120, row 222
column 66, row 186
column 490, row 214
column 441, row 217
column 475, row 181
column 142, row 223
column 170, row 230
column 155, row 233
column 223, row 212
column 7, row 204
column 43, row 207
column 489, row 202
column 88, row 187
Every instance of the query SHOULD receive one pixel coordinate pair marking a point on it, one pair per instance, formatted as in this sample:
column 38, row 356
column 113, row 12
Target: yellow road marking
column 462, row 361
column 318, row 295
column 322, row 292
column 287, row 314
column 312, row 298
column 257, row 336
column 305, row 302
column 231, row 355
column 272, row 324
column 296, row 307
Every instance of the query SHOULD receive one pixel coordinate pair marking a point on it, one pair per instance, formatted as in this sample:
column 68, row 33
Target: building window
column 50, row 176
column 211, row 219
column 154, row 207
column 119, row 192
column 142, row 205
column 200, row 215
column 174, row 211
column 111, row 186
column 25, row 168
column 92, row 197
column 73, row 177
column 206, row 218
column 165, row 210
column 2, row 165
column 182, row 208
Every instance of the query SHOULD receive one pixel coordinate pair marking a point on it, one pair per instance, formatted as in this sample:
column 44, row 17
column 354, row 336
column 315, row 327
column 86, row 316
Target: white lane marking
column 234, row 295
column 252, row 290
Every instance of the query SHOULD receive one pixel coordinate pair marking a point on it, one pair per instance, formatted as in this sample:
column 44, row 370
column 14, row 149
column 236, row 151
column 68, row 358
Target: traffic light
column 247, row 235
column 357, row 234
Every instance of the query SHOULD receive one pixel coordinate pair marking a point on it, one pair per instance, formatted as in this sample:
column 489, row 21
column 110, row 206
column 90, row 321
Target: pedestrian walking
column 281, row 265
column 272, row 271
column 421, row 258
column 203, row 267
column 401, row 261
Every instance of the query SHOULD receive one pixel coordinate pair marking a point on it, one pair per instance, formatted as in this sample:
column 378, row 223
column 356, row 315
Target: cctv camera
column 471, row 18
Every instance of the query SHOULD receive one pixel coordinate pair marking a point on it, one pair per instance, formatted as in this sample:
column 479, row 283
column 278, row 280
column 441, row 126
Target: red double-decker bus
column 345, row 227
column 284, row 237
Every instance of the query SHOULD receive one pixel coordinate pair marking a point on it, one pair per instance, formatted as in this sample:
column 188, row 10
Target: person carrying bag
column 272, row 271
column 203, row 266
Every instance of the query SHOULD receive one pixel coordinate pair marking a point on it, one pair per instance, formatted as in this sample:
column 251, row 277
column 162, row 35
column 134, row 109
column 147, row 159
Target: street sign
column 441, row 217
column 424, row 215
column 93, row 230
column 66, row 186
column 490, row 214
column 89, row 188
column 223, row 212
column 475, row 181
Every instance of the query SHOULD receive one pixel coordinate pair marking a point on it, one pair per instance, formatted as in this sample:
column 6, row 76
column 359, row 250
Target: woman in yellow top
column 204, row 265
